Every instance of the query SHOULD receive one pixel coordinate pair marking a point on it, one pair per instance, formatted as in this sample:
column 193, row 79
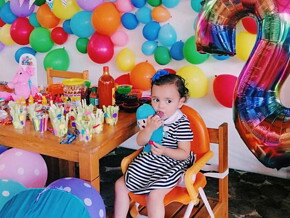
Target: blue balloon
column 66, row 27
column 196, row 5
column 22, row 51
column 138, row 3
column 150, row 30
column 221, row 57
column 176, row 51
column 144, row 14
column 33, row 20
column 81, row 24
column 148, row 47
column 167, row 35
column 129, row 21
column 6, row 14
column 170, row 3
column 2, row 149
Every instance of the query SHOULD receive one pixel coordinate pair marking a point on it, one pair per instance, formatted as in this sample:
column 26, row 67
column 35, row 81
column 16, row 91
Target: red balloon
column 123, row 79
column 171, row 71
column 100, row 48
column 20, row 30
column 250, row 25
column 2, row 23
column 223, row 88
column 58, row 35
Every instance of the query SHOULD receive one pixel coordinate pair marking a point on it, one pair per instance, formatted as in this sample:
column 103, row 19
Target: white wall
column 213, row 113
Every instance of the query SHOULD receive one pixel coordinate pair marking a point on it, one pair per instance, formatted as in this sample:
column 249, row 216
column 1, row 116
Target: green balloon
column 39, row 2
column 2, row 2
column 154, row 3
column 191, row 54
column 82, row 45
column 40, row 39
column 58, row 59
column 162, row 55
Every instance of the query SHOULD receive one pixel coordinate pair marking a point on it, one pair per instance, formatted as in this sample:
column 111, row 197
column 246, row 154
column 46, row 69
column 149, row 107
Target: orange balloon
column 160, row 14
column 141, row 74
column 46, row 18
column 106, row 18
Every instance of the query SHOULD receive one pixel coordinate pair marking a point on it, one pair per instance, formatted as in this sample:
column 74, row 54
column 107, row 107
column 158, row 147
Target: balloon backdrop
column 141, row 74
column 125, row 60
column 100, row 48
column 196, row 81
column 46, row 18
column 58, row 59
column 191, row 54
column 9, row 188
column 5, row 36
column 150, row 30
column 154, row 3
column 167, row 35
column 40, row 39
column 25, row 167
column 144, row 15
column 22, row 51
column 20, row 30
column 3, row 148
column 120, row 38
column 170, row 3
column 89, row 5
column 124, row 5
column 261, row 120
column 106, row 18
column 148, row 47
column 176, row 50
column 162, row 55
column 123, row 79
column 6, row 15
column 82, row 45
column 81, row 24
column 2, row 46
column 33, row 20
column 160, row 14
column 85, row 192
column 245, row 44
column 65, row 11
column 250, row 25
column 129, row 21
column 223, row 89
column 66, row 26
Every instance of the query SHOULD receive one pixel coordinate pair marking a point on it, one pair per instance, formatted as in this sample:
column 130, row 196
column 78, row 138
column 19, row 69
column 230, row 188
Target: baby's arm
column 181, row 153
column 144, row 135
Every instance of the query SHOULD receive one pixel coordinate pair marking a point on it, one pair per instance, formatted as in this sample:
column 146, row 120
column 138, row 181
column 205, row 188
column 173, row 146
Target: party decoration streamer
column 261, row 120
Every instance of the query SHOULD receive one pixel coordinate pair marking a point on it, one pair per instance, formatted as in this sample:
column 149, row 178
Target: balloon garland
column 261, row 120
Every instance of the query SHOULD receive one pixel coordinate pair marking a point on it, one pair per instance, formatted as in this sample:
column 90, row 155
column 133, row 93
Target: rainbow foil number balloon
column 261, row 120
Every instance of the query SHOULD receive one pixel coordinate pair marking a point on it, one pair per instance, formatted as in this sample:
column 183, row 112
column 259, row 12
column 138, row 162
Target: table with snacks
column 86, row 154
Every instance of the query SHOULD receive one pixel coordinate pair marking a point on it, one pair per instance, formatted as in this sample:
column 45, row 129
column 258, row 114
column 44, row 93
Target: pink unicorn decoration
column 21, row 84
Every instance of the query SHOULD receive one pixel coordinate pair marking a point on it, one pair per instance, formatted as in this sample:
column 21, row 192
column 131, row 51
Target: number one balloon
column 261, row 120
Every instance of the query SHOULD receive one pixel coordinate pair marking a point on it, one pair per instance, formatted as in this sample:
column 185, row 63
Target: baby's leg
column 122, row 201
column 155, row 205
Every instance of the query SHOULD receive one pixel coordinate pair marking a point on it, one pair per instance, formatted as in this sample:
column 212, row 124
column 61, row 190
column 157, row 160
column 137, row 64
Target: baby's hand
column 157, row 149
column 154, row 122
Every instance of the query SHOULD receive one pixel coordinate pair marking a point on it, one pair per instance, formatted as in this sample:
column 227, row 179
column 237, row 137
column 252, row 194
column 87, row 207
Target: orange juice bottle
column 106, row 89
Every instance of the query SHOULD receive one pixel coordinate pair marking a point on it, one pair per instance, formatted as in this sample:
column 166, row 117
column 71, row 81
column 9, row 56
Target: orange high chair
column 189, row 195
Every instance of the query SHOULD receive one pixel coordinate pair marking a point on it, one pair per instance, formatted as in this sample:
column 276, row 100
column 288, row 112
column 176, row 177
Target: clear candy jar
column 73, row 90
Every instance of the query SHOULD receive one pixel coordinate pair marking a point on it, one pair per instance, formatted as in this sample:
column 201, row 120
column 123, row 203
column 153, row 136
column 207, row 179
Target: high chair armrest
column 193, row 170
column 128, row 159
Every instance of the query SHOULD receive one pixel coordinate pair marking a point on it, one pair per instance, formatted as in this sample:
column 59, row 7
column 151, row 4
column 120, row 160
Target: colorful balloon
column 33, row 20
column 250, row 25
column 124, row 5
column 82, row 45
column 196, row 5
column 167, row 35
column 144, row 15
column 261, row 120
column 150, row 30
column 123, row 79
column 100, row 48
column 154, row 3
column 245, row 44
column 81, row 24
column 138, row 3
column 58, row 35
column 40, row 39
column 23, row 50
column 129, row 21
column 89, row 5
column 106, row 18
column 176, row 51
column 125, row 60
column 39, row 2
column 66, row 26
column 23, row 9
column 160, row 14
column 46, row 18
column 223, row 89
column 196, row 81
column 170, row 3
column 65, row 11
column 6, row 14
column 149, row 47
column 20, row 30
column 57, row 59
column 5, row 36
column 191, row 54
column 120, row 38
column 141, row 74
column 162, row 55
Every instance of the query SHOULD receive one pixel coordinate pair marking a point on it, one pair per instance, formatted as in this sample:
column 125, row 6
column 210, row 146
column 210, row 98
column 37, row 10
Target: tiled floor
column 250, row 195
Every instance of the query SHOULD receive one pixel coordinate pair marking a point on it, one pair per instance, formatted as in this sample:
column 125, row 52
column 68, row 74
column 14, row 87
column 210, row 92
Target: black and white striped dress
column 148, row 171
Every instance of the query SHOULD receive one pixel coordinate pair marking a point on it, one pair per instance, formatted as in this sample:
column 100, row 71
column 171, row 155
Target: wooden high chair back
column 50, row 73
column 189, row 195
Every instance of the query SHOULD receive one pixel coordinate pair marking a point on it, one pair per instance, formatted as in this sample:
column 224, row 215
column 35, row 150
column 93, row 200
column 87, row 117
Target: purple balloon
column 85, row 192
column 1, row 46
column 22, row 10
column 89, row 5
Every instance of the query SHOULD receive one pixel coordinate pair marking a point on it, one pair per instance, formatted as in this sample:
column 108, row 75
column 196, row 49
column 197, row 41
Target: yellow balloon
column 245, row 44
column 5, row 36
column 195, row 80
column 65, row 12
column 125, row 60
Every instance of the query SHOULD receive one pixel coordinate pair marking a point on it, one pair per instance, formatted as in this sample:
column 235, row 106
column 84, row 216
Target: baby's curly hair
column 172, row 79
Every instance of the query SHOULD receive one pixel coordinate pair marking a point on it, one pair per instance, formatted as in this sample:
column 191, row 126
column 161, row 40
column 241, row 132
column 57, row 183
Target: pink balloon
column 120, row 38
column 23, row 10
column 124, row 5
column 89, row 5
column 100, row 48
column 25, row 167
